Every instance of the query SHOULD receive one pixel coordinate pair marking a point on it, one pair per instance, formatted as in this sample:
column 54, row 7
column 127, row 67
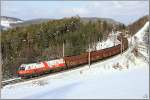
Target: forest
column 44, row 41
column 136, row 25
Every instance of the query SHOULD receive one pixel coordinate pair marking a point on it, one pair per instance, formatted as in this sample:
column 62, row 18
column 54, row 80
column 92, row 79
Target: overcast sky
column 123, row 11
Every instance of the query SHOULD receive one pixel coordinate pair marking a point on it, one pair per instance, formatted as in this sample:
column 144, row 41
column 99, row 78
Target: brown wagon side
column 96, row 55
column 77, row 60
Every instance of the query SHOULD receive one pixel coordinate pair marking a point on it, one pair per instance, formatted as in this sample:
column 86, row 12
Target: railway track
column 10, row 81
column 18, row 79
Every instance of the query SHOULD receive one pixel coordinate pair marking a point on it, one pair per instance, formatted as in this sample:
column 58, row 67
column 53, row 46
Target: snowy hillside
column 144, row 29
column 7, row 21
column 100, row 80
column 110, row 42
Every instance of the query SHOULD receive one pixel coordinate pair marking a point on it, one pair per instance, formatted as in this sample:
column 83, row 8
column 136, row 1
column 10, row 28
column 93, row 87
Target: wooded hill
column 135, row 26
column 44, row 41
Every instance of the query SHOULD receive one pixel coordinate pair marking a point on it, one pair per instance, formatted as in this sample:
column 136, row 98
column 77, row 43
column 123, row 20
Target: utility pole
column 121, row 45
column 63, row 50
column 89, row 56
column 131, row 41
column 1, row 62
column 113, row 34
column 147, row 42
column 100, row 44
column 122, row 48
column 114, row 39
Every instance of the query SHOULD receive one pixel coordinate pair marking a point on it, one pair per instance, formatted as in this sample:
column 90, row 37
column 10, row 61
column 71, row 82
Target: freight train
column 68, row 62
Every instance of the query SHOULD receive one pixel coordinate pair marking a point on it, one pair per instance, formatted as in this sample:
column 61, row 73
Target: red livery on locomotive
column 35, row 69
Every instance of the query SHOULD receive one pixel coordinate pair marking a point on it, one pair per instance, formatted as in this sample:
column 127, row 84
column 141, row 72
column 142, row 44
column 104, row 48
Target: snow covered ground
column 100, row 80
column 109, row 42
column 106, row 44
column 142, row 30
column 7, row 24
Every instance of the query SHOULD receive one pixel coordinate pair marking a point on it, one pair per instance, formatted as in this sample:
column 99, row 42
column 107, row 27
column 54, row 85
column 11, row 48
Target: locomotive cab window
column 29, row 67
column 22, row 68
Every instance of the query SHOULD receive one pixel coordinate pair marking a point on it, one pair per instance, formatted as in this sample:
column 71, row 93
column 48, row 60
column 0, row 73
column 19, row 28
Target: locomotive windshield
column 22, row 68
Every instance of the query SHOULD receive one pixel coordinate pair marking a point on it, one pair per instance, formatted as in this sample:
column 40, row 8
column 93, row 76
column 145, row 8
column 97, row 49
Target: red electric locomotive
column 34, row 69
column 29, row 70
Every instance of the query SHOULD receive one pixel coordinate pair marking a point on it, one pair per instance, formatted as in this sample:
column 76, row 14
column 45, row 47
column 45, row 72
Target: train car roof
column 39, row 63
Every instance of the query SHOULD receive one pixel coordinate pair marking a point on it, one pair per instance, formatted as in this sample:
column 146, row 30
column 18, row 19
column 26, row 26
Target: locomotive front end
column 21, row 71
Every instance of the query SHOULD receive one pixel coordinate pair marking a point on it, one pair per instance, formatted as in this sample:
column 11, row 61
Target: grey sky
column 123, row 11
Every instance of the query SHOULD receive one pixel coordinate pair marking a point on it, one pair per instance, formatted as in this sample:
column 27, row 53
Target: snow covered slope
column 143, row 47
column 109, row 42
column 100, row 80
column 140, row 34
column 7, row 21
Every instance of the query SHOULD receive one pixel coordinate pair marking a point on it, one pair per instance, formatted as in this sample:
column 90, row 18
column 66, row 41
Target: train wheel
column 46, row 72
column 24, row 77
column 36, row 75
column 31, row 76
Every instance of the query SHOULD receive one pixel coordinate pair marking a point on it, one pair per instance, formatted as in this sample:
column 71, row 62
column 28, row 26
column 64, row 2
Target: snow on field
column 7, row 23
column 109, row 42
column 100, row 80
column 143, row 30
column 106, row 44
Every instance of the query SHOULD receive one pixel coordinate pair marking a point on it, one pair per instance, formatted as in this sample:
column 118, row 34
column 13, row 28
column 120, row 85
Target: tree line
column 135, row 26
column 40, row 42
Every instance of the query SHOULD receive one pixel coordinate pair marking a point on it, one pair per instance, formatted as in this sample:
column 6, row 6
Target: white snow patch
column 99, row 81
column 106, row 44
column 110, row 42
column 7, row 23
column 140, row 34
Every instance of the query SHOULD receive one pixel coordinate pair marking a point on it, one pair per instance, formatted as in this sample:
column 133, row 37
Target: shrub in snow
column 117, row 66
column 40, row 82
column 81, row 72
column 135, row 52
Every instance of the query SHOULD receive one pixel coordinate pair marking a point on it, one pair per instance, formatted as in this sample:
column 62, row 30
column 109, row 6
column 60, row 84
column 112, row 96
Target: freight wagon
column 35, row 69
